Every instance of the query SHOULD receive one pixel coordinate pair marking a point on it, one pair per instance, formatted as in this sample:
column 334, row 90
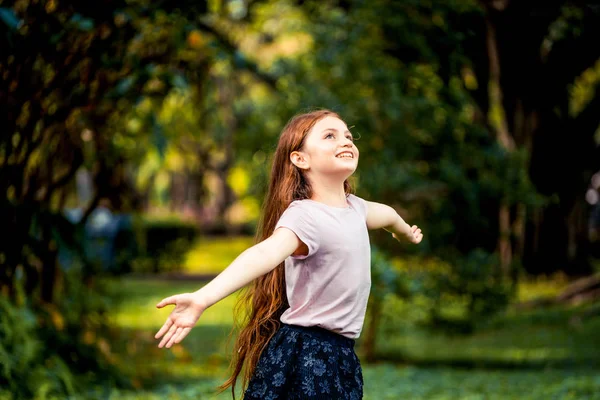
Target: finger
column 167, row 301
column 182, row 335
column 173, row 337
column 164, row 328
column 167, row 337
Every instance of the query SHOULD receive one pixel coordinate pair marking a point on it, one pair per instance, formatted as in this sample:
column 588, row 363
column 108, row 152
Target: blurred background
column 134, row 158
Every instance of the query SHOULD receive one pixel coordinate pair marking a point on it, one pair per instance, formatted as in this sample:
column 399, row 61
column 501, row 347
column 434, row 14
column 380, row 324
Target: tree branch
column 572, row 55
column 231, row 47
column 66, row 177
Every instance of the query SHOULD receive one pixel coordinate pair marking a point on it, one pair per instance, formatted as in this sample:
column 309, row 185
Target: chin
column 347, row 173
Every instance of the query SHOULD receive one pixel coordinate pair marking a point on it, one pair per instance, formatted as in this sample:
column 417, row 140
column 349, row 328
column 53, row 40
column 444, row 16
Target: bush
column 386, row 281
column 23, row 369
column 27, row 370
column 162, row 245
column 464, row 292
column 52, row 351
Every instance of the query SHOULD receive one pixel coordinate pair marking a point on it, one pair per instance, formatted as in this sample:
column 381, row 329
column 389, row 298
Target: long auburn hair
column 264, row 300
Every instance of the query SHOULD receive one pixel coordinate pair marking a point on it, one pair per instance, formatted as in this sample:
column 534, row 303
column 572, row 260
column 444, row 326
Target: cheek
column 325, row 150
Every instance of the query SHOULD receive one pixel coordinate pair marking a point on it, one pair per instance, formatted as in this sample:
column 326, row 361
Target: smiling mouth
column 345, row 155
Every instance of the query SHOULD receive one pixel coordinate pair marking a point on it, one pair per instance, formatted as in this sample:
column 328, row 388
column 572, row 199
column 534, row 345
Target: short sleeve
column 359, row 204
column 299, row 220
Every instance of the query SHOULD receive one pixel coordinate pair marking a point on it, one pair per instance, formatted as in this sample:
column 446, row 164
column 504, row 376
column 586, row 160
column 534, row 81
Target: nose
column 346, row 142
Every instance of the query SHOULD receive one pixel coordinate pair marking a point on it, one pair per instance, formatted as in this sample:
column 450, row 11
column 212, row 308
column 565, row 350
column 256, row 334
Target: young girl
column 310, row 272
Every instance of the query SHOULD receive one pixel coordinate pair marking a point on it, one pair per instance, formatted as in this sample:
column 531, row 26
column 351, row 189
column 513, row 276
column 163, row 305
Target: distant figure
column 310, row 272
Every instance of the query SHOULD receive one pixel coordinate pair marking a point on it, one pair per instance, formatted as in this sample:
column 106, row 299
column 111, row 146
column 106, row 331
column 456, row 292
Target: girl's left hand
column 416, row 235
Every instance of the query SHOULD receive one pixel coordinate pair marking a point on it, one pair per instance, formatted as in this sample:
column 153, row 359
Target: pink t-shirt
column 329, row 287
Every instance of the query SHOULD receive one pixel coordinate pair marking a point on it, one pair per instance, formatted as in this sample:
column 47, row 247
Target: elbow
column 264, row 258
column 392, row 219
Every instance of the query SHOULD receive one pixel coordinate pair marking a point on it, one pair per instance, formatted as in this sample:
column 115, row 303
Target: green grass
column 203, row 355
column 210, row 255
column 387, row 382
column 538, row 354
column 541, row 287
column 534, row 355
column 534, row 339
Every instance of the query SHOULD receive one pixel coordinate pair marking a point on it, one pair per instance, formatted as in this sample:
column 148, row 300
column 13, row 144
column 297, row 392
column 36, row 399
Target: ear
column 299, row 159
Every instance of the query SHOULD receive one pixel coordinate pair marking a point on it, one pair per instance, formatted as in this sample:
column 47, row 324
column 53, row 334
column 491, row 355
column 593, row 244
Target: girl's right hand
column 182, row 319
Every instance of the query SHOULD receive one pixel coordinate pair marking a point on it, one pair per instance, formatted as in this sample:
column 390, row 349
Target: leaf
column 179, row 81
column 10, row 19
column 124, row 85
column 158, row 138
column 85, row 24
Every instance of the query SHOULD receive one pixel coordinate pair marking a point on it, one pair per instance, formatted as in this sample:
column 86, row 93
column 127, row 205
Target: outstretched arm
column 382, row 216
column 249, row 265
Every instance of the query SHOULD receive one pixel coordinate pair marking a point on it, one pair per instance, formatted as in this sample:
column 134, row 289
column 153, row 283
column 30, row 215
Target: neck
column 330, row 192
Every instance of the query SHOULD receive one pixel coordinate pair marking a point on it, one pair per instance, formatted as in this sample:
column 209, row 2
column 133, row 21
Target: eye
column 350, row 138
column 329, row 135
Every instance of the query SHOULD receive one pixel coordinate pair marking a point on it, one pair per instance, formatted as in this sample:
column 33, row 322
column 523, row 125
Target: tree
column 528, row 45
column 72, row 74
column 492, row 75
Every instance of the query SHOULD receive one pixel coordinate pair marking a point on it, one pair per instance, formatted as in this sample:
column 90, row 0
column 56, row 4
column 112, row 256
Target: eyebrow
column 334, row 130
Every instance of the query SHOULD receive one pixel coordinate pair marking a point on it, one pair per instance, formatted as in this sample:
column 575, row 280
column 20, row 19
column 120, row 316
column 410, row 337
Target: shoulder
column 299, row 205
column 358, row 203
column 355, row 198
column 301, row 209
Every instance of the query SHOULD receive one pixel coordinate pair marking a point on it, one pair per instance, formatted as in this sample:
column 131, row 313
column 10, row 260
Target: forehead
column 328, row 123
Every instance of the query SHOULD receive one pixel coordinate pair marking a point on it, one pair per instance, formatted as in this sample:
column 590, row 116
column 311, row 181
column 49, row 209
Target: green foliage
column 50, row 351
column 20, row 351
column 386, row 281
column 385, row 278
column 422, row 147
column 29, row 368
column 163, row 245
column 462, row 294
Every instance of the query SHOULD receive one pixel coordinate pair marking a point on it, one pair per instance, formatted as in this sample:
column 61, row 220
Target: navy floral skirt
column 307, row 363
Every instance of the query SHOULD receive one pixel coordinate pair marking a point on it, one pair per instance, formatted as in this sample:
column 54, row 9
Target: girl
column 310, row 272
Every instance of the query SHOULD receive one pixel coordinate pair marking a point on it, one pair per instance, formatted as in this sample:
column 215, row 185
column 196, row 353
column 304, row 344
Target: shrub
column 162, row 245
column 463, row 292
column 54, row 350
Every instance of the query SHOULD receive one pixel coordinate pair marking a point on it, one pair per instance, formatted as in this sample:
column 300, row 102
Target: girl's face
column 328, row 149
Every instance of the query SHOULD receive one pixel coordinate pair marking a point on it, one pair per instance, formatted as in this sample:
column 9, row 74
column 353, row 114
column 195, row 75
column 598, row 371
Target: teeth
column 345, row 155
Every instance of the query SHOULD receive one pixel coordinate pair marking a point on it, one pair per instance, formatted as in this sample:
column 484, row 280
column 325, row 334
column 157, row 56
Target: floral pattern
column 307, row 363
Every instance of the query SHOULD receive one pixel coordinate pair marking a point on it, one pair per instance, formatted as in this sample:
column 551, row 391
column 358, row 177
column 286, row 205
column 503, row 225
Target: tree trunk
column 558, row 239
column 504, row 245
column 375, row 312
column 228, row 121
column 533, row 90
column 497, row 119
column 48, row 258
column 177, row 191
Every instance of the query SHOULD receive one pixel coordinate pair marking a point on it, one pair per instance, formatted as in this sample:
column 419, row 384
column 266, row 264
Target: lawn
column 538, row 354
column 210, row 255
